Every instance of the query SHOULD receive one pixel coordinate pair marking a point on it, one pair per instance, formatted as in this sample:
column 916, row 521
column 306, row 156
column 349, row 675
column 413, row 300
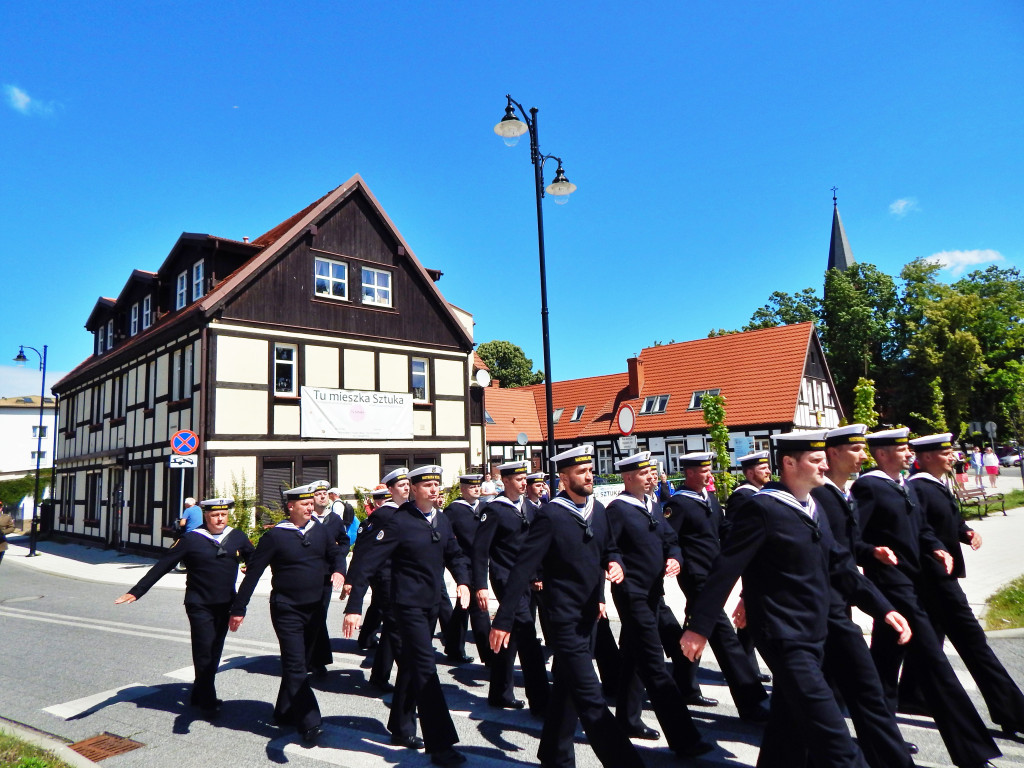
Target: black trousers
column 642, row 656
column 523, row 641
column 371, row 621
column 209, row 624
column 739, row 673
column 389, row 649
column 671, row 633
column 606, row 654
column 320, row 652
column 418, row 687
column 461, row 620
column 296, row 627
column 961, row 727
column 951, row 616
column 848, row 666
column 576, row 697
column 805, row 720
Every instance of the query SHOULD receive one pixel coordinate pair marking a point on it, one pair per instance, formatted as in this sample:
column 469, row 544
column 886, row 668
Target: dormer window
column 99, row 341
column 556, row 415
column 698, row 395
column 197, row 280
column 654, row 404
column 147, row 312
column 110, row 334
column 134, row 328
column 578, row 413
column 181, row 291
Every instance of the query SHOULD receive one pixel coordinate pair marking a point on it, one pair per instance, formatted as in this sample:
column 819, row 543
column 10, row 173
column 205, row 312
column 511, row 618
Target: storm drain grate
column 105, row 745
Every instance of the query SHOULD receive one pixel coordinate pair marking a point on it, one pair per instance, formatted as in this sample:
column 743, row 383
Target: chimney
column 495, row 383
column 636, row 377
column 245, row 239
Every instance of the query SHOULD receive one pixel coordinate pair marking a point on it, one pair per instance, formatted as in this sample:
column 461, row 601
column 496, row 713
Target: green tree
column 714, row 416
column 786, row 309
column 864, row 403
column 509, row 364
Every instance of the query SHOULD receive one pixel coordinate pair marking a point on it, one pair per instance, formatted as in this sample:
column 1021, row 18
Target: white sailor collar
column 632, row 500
column 787, row 498
column 288, row 525
column 218, row 538
column 565, row 501
column 884, row 476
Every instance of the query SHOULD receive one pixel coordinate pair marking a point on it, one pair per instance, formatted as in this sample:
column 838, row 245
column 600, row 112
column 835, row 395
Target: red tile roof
column 513, row 411
column 758, row 373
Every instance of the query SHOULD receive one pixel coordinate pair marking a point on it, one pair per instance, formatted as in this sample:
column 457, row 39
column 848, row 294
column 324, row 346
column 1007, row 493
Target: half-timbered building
column 773, row 380
column 322, row 349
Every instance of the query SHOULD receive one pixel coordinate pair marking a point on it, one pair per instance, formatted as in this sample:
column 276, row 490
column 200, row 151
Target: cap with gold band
column 380, row 492
column 581, row 454
column 471, row 479
column 216, row 505
column 536, row 477
column 632, row 463
column 889, row 437
column 751, row 460
column 691, row 460
column 320, row 485
column 851, row 434
column 395, row 476
column 425, row 474
column 803, row 440
column 298, row 493
column 514, row 468
column 939, row 442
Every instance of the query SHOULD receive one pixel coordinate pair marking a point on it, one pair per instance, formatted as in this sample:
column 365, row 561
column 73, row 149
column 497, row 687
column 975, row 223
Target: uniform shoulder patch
column 667, row 511
column 483, row 517
column 380, row 535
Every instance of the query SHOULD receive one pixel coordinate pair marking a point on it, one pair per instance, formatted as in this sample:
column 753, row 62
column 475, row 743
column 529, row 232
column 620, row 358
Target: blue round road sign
column 184, row 442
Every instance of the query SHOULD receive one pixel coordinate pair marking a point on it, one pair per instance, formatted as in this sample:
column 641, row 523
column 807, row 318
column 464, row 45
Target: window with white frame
column 376, row 287
column 420, row 379
column 110, row 334
column 99, row 341
column 197, row 280
column 38, row 455
column 147, row 312
column 38, row 431
column 134, row 327
column 762, row 444
column 673, row 452
column 285, row 375
column 604, row 461
column 330, row 278
column 488, row 419
column 556, row 415
column 181, row 291
column 654, row 404
column 578, row 413
column 698, row 395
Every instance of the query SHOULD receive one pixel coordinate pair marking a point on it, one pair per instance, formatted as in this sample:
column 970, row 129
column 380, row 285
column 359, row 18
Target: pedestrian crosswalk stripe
column 70, row 709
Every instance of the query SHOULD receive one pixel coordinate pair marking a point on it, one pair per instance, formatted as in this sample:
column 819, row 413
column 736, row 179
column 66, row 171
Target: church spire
column 840, row 255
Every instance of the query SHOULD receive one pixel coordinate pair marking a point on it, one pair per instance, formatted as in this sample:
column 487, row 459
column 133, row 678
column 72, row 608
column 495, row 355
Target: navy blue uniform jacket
column 943, row 514
column 698, row 524
column 646, row 541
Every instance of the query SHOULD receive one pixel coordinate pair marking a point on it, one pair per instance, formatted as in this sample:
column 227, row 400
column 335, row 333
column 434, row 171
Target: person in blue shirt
column 191, row 517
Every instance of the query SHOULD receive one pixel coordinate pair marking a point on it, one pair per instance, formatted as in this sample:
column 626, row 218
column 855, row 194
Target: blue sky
column 704, row 138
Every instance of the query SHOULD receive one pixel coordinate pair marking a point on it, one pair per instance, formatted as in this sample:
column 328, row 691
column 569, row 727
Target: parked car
column 1010, row 460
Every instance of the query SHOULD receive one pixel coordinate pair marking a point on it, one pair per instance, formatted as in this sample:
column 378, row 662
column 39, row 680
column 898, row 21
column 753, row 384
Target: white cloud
column 903, row 206
column 958, row 261
column 20, row 101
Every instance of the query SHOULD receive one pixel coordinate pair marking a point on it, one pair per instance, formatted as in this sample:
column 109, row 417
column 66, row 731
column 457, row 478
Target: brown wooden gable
column 353, row 230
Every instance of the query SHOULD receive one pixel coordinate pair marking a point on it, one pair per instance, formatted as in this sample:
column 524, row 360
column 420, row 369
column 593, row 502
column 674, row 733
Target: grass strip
column 1006, row 607
column 15, row 753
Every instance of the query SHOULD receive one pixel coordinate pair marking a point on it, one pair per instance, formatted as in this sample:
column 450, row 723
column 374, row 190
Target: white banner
column 355, row 414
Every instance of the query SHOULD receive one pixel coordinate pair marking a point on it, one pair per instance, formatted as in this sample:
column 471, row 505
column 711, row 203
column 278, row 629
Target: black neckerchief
column 582, row 517
column 644, row 506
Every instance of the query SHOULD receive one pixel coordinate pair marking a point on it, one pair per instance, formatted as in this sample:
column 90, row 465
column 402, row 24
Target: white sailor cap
column 395, row 475
column 703, row 459
column 536, row 477
column 514, row 468
column 471, row 479
column 851, row 434
column 298, row 493
column 335, row 490
column 801, row 440
column 939, row 442
column 380, row 491
column 889, row 437
column 581, row 454
column 640, row 460
column 425, row 474
column 319, row 485
column 753, row 459
column 216, row 505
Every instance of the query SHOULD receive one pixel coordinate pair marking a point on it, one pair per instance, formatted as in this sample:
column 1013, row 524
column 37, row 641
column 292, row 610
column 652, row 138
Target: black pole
column 34, row 533
column 538, row 177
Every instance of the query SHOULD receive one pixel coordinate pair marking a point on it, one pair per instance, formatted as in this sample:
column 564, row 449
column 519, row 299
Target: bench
column 977, row 497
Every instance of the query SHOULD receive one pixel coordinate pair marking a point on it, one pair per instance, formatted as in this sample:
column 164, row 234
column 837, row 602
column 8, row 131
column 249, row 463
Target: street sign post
column 184, row 443
column 625, row 419
column 183, row 462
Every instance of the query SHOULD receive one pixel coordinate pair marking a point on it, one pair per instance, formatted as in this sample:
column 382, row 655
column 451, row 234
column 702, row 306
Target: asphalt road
column 75, row 665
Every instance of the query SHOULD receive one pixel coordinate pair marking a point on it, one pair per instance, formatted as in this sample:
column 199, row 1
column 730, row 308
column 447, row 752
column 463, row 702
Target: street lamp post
column 510, row 128
column 21, row 360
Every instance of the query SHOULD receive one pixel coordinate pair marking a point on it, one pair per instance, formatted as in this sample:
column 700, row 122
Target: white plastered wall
column 240, row 412
column 449, row 377
column 357, row 469
column 322, row 366
column 451, row 417
column 358, row 365
column 394, row 372
column 241, row 360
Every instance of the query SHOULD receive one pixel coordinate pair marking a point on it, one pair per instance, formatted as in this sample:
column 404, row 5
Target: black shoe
column 368, row 645
column 764, row 677
column 310, row 735
column 514, row 704
column 1011, row 731
column 383, row 687
column 319, row 671
column 912, row 748
column 755, row 714
column 456, row 658
column 643, row 732
column 412, row 742
column 701, row 701
column 212, row 709
column 913, row 708
column 699, row 747
column 281, row 721
column 447, row 757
